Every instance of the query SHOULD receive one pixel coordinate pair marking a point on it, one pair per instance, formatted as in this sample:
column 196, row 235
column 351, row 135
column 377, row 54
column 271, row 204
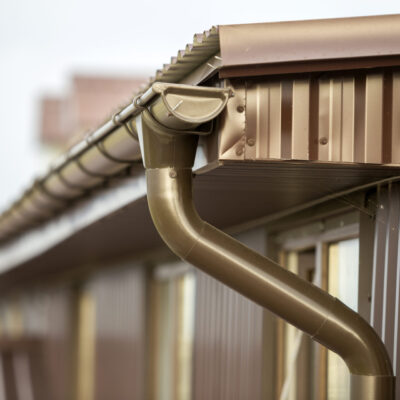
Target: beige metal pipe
column 168, row 158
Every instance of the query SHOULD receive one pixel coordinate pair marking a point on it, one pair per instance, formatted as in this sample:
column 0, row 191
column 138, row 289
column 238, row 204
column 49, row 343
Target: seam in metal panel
column 379, row 261
column 323, row 119
column 359, row 118
column 347, row 142
column 396, row 118
column 286, row 118
column 387, row 106
column 313, row 119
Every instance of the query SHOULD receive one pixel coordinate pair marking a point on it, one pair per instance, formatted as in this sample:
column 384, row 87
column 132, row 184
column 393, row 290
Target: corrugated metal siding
column 46, row 317
column 228, row 343
column 348, row 117
column 229, row 339
column 386, row 274
column 120, row 334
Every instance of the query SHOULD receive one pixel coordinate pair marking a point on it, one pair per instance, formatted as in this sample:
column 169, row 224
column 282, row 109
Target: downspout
column 168, row 142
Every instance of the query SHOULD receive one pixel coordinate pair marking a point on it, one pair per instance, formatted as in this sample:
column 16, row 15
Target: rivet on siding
column 240, row 109
column 323, row 140
column 251, row 142
column 239, row 151
column 172, row 174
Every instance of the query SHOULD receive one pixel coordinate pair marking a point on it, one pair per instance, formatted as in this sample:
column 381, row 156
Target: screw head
column 251, row 142
column 172, row 174
column 239, row 151
column 239, row 109
column 323, row 140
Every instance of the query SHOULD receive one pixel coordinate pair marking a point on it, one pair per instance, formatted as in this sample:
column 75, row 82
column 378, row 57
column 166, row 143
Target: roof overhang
column 283, row 142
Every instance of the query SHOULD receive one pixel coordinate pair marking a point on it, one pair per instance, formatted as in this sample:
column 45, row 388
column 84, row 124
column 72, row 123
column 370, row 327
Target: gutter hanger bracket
column 168, row 134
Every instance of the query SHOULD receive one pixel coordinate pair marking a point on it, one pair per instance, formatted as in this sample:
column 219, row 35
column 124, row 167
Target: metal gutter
column 108, row 150
column 168, row 156
column 111, row 148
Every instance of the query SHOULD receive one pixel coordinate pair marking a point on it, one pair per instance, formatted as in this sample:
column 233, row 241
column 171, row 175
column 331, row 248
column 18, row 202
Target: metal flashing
column 310, row 45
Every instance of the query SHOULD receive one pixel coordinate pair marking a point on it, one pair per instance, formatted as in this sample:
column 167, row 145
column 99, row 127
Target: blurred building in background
column 89, row 101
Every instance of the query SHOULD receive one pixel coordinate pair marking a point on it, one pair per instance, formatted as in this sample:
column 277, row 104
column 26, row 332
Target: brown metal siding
column 386, row 274
column 229, row 342
column 120, row 334
column 350, row 118
column 45, row 317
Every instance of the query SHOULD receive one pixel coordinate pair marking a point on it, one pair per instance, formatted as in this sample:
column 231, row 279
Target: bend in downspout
column 168, row 155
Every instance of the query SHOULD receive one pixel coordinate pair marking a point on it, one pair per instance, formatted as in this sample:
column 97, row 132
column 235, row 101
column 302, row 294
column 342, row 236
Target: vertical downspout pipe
column 168, row 156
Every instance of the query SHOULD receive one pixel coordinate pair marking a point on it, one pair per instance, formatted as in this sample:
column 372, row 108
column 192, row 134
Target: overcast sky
column 44, row 42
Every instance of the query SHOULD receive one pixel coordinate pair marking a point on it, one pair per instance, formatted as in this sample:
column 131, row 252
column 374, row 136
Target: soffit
column 232, row 195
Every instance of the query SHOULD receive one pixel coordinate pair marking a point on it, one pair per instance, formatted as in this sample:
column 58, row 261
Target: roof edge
column 279, row 45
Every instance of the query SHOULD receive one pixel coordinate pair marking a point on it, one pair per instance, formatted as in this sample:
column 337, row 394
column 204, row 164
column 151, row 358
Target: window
column 325, row 253
column 343, row 284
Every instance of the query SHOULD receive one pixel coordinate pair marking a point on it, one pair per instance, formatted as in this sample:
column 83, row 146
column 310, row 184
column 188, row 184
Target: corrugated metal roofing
column 204, row 46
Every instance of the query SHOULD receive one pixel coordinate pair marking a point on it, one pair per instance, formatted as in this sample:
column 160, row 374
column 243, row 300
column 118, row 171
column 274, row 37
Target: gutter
column 168, row 141
column 110, row 149
column 106, row 152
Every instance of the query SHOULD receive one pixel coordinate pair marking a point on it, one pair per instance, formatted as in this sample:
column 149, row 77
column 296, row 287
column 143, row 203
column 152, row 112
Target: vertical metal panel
column 373, row 118
column 335, row 119
column 275, row 140
column 379, row 260
column 264, row 127
column 58, row 332
column 300, row 122
column 324, row 119
column 46, row 317
column 392, row 239
column 396, row 118
column 347, row 120
column 366, row 257
column 228, row 349
column 286, row 119
column 387, row 111
column 336, row 130
column 349, row 117
column 85, row 346
column 120, row 333
column 359, row 118
column 386, row 273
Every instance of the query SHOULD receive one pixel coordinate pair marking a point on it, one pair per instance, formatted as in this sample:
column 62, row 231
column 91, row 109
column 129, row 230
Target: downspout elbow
column 323, row 317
